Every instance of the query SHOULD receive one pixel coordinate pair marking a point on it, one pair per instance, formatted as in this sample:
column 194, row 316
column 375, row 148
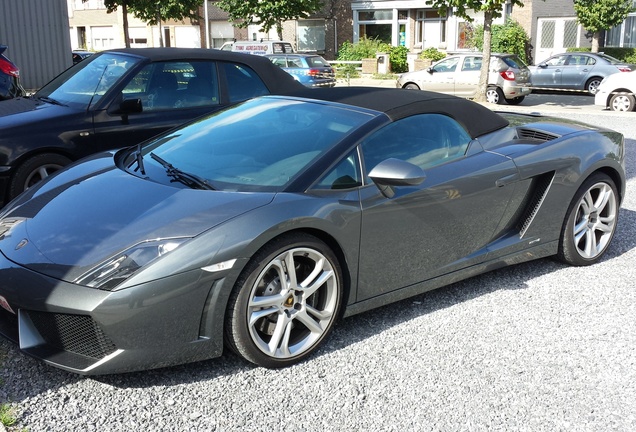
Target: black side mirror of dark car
column 130, row 106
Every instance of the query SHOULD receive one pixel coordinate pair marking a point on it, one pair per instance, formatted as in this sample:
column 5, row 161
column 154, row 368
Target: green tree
column 598, row 15
column 491, row 9
column 508, row 38
column 269, row 14
column 153, row 11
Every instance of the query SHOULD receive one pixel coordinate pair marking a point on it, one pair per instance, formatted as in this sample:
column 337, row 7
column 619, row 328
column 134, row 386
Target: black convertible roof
column 399, row 103
column 277, row 80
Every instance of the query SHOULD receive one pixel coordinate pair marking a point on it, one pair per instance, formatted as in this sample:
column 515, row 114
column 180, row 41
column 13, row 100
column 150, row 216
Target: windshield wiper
column 50, row 100
column 140, row 160
column 187, row 179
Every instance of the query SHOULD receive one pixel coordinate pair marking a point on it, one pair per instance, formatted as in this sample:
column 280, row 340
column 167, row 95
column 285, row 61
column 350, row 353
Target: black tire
column 622, row 102
column 34, row 170
column 515, row 101
column 411, row 86
column 494, row 95
column 590, row 222
column 289, row 327
column 592, row 84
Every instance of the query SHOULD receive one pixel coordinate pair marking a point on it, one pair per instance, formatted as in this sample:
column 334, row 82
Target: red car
column 9, row 77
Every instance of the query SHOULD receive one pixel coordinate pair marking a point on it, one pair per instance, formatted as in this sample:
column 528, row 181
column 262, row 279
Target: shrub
column 365, row 48
column 397, row 59
column 433, row 54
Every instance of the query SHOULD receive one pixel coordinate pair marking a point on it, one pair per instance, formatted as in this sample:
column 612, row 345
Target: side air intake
column 540, row 190
column 533, row 134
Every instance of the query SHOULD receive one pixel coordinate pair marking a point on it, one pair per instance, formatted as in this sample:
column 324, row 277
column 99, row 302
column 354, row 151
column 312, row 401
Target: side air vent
column 535, row 134
column 540, row 189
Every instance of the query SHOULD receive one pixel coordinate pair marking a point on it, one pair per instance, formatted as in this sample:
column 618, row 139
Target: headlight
column 114, row 271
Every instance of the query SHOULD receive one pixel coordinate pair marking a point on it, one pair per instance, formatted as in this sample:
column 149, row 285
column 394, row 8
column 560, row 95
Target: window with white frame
column 310, row 35
column 430, row 29
column 376, row 24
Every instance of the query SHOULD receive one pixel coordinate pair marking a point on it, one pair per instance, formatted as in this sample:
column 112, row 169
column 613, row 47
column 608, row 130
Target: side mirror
column 395, row 172
column 430, row 70
column 130, row 106
column 543, row 65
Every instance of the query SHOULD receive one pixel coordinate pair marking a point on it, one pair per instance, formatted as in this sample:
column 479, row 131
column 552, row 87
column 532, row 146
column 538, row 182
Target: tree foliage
column 268, row 14
column 598, row 15
column 508, row 38
column 151, row 11
column 491, row 9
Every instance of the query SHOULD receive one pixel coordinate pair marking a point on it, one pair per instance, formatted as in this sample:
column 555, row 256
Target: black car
column 118, row 98
column 79, row 55
column 258, row 227
column 10, row 86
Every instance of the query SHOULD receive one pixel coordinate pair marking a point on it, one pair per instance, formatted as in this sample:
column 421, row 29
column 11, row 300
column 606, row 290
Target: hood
column 94, row 210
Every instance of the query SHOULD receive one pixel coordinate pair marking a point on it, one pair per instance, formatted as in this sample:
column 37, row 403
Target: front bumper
column 601, row 98
column 174, row 320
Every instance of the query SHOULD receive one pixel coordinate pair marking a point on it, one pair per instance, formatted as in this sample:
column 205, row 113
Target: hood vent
column 534, row 134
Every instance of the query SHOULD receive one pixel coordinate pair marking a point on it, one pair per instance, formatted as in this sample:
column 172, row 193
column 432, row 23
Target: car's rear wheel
column 622, row 102
column 34, row 170
column 285, row 302
column 590, row 222
column 515, row 101
column 592, row 84
column 412, row 86
column 494, row 95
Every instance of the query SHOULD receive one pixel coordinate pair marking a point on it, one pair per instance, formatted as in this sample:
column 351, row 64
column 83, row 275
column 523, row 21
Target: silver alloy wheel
column 595, row 220
column 292, row 303
column 40, row 173
column 622, row 102
column 592, row 85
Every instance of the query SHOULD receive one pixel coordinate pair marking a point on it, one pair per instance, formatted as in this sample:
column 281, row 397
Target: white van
column 259, row 48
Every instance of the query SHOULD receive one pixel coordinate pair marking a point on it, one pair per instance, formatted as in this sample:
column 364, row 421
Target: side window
column 242, row 82
column 279, row 61
column 471, row 63
column 424, row 140
column 557, row 61
column 345, row 175
column 174, row 85
column 448, row 65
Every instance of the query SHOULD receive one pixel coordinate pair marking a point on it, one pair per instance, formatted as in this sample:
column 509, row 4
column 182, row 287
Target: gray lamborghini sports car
column 259, row 226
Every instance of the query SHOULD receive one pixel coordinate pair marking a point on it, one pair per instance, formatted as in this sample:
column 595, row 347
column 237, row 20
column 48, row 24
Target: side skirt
column 537, row 252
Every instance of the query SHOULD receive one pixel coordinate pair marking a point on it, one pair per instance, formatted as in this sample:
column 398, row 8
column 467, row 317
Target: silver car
column 576, row 71
column 458, row 75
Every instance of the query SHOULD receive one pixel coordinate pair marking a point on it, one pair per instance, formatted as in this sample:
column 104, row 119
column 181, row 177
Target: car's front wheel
column 34, row 170
column 412, row 86
column 285, row 302
column 494, row 95
column 622, row 102
column 590, row 222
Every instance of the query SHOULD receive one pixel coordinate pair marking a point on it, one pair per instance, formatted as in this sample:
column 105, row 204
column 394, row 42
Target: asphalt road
column 535, row 347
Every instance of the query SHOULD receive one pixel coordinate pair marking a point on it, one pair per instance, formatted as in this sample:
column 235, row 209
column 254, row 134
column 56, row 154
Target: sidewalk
column 365, row 81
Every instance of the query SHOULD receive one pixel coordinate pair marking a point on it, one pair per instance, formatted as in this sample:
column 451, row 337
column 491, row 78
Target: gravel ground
column 539, row 346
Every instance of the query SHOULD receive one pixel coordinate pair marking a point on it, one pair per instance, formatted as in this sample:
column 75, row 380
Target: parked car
column 509, row 79
column 121, row 97
column 576, row 71
column 311, row 70
column 258, row 227
column 617, row 92
column 10, row 86
column 79, row 55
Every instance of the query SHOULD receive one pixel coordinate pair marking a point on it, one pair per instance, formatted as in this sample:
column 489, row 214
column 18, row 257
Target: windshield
column 260, row 145
column 84, row 84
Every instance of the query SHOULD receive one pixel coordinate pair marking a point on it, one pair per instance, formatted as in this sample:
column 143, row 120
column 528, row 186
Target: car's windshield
column 514, row 62
column 260, row 145
column 84, row 84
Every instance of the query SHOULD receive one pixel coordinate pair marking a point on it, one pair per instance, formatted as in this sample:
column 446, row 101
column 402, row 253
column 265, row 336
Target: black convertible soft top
column 277, row 80
column 399, row 103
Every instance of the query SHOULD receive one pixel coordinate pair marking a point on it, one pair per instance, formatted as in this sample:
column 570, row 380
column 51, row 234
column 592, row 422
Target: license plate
column 525, row 89
column 5, row 305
